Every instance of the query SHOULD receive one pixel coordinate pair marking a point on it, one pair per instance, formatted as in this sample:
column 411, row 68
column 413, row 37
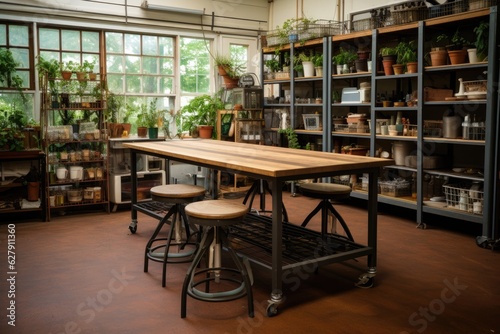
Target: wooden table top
column 268, row 161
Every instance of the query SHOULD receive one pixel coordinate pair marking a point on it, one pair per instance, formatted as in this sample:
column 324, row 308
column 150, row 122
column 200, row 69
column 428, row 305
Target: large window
column 16, row 38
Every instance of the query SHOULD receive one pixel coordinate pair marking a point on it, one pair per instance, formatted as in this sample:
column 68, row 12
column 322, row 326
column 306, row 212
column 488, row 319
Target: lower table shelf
column 300, row 246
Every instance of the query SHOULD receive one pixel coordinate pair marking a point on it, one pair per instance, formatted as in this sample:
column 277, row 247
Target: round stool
column 326, row 192
column 179, row 195
column 214, row 216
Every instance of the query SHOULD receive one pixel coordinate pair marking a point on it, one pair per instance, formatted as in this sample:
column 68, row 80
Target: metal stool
column 179, row 195
column 214, row 216
column 326, row 192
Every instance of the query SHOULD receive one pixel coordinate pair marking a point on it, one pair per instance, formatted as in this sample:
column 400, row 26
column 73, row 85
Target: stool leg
column 340, row 219
column 242, row 269
column 155, row 233
column 167, row 248
column 203, row 247
column 312, row 214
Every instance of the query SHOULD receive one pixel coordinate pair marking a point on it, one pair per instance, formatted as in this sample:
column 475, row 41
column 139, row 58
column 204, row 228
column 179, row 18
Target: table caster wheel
column 272, row 310
column 366, row 281
column 133, row 227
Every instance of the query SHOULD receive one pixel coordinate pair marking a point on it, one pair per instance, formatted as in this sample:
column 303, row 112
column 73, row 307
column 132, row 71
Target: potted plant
column 12, row 120
column 201, row 114
column 456, row 46
column 67, row 69
column 481, row 43
column 344, row 59
column 406, row 53
column 317, row 60
column 389, row 56
column 32, row 182
column 273, row 65
column 88, row 67
column 149, row 117
column 114, row 104
column 52, row 70
column 229, row 69
column 307, row 63
column 125, row 119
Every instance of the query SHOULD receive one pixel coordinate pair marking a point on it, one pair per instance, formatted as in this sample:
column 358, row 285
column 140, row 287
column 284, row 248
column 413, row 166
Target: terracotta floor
column 84, row 274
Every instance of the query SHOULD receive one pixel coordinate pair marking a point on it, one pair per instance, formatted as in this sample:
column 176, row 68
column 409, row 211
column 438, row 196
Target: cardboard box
column 434, row 94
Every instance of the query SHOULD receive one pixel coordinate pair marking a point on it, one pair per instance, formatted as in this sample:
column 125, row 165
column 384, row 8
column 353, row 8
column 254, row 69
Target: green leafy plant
column 345, row 57
column 273, row 64
column 230, row 66
column 482, row 37
column 50, row 68
column 388, row 51
column 406, row 52
column 202, row 110
column 291, row 136
column 8, row 76
column 149, row 115
column 317, row 59
column 453, row 42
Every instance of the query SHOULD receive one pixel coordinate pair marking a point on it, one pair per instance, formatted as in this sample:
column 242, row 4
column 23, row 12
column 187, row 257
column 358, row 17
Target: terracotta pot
column 229, row 82
column 115, row 130
column 361, row 65
column 33, row 191
column 439, row 57
column 66, row 75
column 398, row 68
column 81, row 75
column 205, row 131
column 457, row 56
column 412, row 67
column 388, row 70
column 142, row 132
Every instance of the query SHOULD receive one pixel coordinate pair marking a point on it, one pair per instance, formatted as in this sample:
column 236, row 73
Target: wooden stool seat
column 214, row 216
column 172, row 192
column 322, row 190
column 216, row 212
column 158, row 249
column 326, row 192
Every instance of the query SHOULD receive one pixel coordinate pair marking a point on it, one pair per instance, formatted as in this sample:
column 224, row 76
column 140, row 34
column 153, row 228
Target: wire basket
column 395, row 188
column 462, row 197
column 455, row 7
column 403, row 13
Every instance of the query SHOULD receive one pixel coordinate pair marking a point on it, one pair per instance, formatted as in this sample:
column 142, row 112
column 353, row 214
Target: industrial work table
column 290, row 246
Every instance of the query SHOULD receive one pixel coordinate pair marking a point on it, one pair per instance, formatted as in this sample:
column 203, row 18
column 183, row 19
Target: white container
column 76, row 172
column 400, row 150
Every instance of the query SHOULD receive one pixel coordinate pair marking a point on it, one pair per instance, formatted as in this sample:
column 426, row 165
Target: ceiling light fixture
column 146, row 5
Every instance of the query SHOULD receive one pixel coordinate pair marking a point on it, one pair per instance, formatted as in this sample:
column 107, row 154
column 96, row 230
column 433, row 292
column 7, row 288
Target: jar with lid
column 464, row 200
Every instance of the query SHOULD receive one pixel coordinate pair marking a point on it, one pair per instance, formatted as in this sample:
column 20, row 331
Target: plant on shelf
column 229, row 69
column 389, row 56
column 201, row 110
column 406, row 54
column 291, row 136
column 273, row 65
column 344, row 59
column 12, row 123
column 481, row 43
column 456, row 46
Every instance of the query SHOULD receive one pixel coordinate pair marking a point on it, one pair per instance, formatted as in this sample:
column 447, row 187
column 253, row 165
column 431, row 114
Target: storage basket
column 475, row 87
column 460, row 196
column 401, row 14
column 321, row 28
column 395, row 188
column 433, row 128
column 478, row 4
column 477, row 131
column 458, row 6
column 273, row 38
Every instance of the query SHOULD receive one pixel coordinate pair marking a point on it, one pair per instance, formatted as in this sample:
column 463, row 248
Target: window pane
column 49, row 55
column 194, row 66
column 132, row 64
column 167, row 66
column 132, row 44
column 3, row 34
column 21, row 56
column 18, row 35
column 133, row 84
column 91, row 58
column 150, row 65
column 90, row 41
column 166, row 46
column 239, row 53
column 115, row 83
column 67, row 57
column 114, row 64
column 150, row 85
column 114, row 42
column 149, row 45
column 25, row 76
column 70, row 40
column 49, row 38
column 166, row 86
